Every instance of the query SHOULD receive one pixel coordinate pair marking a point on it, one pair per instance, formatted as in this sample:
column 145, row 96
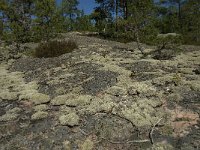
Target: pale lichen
column 71, row 100
column 39, row 115
column 42, row 107
column 11, row 114
column 8, row 117
column 67, row 145
column 87, row 145
column 161, row 146
column 71, row 119
column 6, row 95
column 143, row 88
column 142, row 113
column 104, row 104
column 66, row 110
column 36, row 98
column 116, row 91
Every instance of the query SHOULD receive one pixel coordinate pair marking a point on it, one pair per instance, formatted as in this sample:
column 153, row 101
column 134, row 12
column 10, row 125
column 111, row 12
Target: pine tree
column 84, row 23
column 46, row 19
column 69, row 12
column 16, row 18
column 191, row 22
column 141, row 19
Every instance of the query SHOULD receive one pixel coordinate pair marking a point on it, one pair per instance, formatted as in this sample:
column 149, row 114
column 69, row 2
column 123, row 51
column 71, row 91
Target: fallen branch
column 152, row 129
column 84, row 133
column 126, row 142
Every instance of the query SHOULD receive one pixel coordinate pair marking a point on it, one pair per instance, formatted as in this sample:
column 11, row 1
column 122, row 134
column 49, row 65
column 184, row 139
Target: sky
column 86, row 5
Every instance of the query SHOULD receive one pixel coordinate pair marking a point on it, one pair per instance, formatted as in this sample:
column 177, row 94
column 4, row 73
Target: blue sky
column 86, row 5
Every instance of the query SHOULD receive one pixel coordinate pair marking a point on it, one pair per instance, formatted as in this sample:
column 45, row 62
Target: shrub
column 54, row 48
column 167, row 46
column 169, row 40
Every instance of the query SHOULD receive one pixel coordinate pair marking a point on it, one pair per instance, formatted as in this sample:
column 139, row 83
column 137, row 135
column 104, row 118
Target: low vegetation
column 54, row 48
column 170, row 40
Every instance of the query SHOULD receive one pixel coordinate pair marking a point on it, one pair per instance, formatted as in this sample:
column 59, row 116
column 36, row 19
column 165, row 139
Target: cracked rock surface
column 103, row 95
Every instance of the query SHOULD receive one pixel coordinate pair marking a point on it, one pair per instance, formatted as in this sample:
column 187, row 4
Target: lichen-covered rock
column 8, row 117
column 36, row 98
column 161, row 146
column 104, row 104
column 6, row 95
column 140, row 112
column 42, row 107
column 14, row 110
column 161, row 81
column 11, row 114
column 194, row 85
column 59, row 100
column 142, row 88
column 66, row 110
column 71, row 100
column 79, row 100
column 39, row 115
column 67, row 145
column 71, row 119
column 116, row 91
column 87, row 145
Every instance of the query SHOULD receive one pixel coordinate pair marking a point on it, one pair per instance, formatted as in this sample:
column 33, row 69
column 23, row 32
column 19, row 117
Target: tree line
column 140, row 20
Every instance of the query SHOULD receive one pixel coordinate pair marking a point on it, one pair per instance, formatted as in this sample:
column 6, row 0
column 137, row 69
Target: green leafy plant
column 54, row 48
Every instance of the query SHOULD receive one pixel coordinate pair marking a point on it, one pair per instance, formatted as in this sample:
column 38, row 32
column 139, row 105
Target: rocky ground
column 105, row 95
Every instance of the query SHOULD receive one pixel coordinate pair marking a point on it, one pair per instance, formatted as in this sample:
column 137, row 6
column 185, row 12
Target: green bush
column 167, row 46
column 168, row 41
column 54, row 48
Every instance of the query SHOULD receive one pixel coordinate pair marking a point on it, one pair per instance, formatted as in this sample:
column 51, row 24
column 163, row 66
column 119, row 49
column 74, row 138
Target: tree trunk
column 116, row 13
column 125, row 9
column 179, row 15
column 138, row 40
column 1, row 27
